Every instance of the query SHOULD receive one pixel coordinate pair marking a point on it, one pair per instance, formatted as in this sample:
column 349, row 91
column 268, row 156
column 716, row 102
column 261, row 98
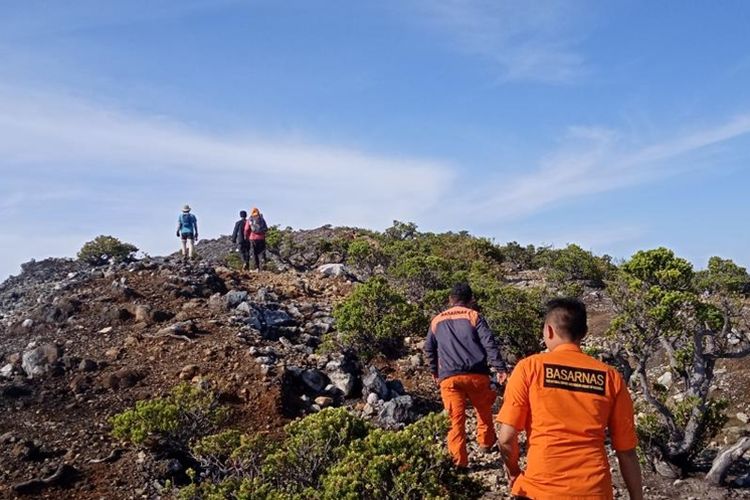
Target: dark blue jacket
column 460, row 341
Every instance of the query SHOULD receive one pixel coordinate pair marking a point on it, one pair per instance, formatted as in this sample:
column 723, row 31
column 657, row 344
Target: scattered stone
column 142, row 313
column 372, row 399
column 665, row 380
column 26, row 451
column 374, row 382
column 122, row 378
column 7, row 371
column 113, row 353
column 276, row 319
column 264, row 360
column 343, row 381
column 233, row 298
column 333, row 270
column 27, row 323
column 37, row 361
column 415, row 360
column 106, row 329
column 88, row 365
column 324, row 401
column 188, row 372
column 743, row 417
column 80, row 384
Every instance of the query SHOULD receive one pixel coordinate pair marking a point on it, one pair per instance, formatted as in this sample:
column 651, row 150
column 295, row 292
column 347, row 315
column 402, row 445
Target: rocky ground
column 80, row 344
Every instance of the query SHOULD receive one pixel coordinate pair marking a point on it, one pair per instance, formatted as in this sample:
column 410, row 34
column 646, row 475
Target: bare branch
column 725, row 459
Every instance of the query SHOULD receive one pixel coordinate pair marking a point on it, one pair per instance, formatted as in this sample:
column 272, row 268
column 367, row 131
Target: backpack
column 187, row 223
column 258, row 225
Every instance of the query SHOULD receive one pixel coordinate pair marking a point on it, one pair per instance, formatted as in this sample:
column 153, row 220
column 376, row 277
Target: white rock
column 6, row 371
column 27, row 323
column 372, row 399
column 106, row 329
column 333, row 270
column 665, row 380
column 743, row 417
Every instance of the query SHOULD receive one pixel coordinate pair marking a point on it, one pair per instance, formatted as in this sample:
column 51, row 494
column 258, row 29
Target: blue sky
column 615, row 125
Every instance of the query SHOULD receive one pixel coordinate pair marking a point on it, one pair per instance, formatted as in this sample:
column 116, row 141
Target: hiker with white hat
column 187, row 230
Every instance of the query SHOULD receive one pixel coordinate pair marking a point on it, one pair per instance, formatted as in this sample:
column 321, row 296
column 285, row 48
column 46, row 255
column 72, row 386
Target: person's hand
column 501, row 377
column 178, row 234
column 196, row 237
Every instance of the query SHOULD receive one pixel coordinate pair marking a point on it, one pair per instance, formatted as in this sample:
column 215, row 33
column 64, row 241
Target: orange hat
column 255, row 211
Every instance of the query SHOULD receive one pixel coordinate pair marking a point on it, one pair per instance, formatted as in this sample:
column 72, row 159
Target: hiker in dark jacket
column 460, row 349
column 187, row 230
column 238, row 238
column 255, row 232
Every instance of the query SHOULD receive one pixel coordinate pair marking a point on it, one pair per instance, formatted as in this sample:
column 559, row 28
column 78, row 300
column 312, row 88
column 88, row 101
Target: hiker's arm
column 235, row 233
column 508, row 442
column 489, row 342
column 430, row 352
column 631, row 473
column 195, row 225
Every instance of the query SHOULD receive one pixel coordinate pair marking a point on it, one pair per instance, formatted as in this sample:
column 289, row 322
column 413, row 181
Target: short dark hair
column 243, row 214
column 569, row 315
column 461, row 292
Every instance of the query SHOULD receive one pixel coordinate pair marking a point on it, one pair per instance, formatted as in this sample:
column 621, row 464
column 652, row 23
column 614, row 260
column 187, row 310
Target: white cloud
column 529, row 41
column 595, row 160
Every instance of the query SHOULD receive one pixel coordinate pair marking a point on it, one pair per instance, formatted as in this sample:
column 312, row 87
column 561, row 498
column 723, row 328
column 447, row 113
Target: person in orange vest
column 565, row 401
column 255, row 233
column 460, row 349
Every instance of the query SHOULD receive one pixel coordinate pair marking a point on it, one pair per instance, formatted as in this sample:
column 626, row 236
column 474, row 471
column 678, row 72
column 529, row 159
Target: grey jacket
column 460, row 341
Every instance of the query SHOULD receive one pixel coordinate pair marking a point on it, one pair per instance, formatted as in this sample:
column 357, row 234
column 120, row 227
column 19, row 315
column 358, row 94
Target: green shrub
column 375, row 319
column 408, row 464
column 187, row 413
column 418, row 275
column 105, row 249
column 574, row 263
column 231, row 454
column 365, row 254
column 312, row 445
column 518, row 256
column 516, row 315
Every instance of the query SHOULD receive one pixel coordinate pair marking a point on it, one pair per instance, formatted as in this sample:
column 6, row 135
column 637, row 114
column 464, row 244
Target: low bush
column 408, row 464
column 516, row 316
column 105, row 249
column 187, row 413
column 375, row 318
column 332, row 455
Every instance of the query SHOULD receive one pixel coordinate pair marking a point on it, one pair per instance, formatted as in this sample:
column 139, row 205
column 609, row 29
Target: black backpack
column 258, row 225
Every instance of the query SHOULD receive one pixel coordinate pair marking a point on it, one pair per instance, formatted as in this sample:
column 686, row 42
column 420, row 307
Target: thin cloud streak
column 529, row 41
column 598, row 167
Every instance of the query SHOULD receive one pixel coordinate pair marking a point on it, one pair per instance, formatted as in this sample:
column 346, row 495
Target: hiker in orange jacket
column 565, row 400
column 460, row 348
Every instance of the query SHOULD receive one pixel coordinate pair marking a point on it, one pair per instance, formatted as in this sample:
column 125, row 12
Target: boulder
column 324, row 401
column 7, row 371
column 277, row 318
column 233, row 298
column 38, row 360
column 375, row 383
column 188, row 372
column 314, row 379
column 122, row 378
column 88, row 365
column 397, row 411
column 665, row 380
column 343, row 381
column 333, row 270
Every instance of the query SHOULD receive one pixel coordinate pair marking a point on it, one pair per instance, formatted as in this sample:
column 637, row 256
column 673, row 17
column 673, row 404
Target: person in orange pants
column 460, row 348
